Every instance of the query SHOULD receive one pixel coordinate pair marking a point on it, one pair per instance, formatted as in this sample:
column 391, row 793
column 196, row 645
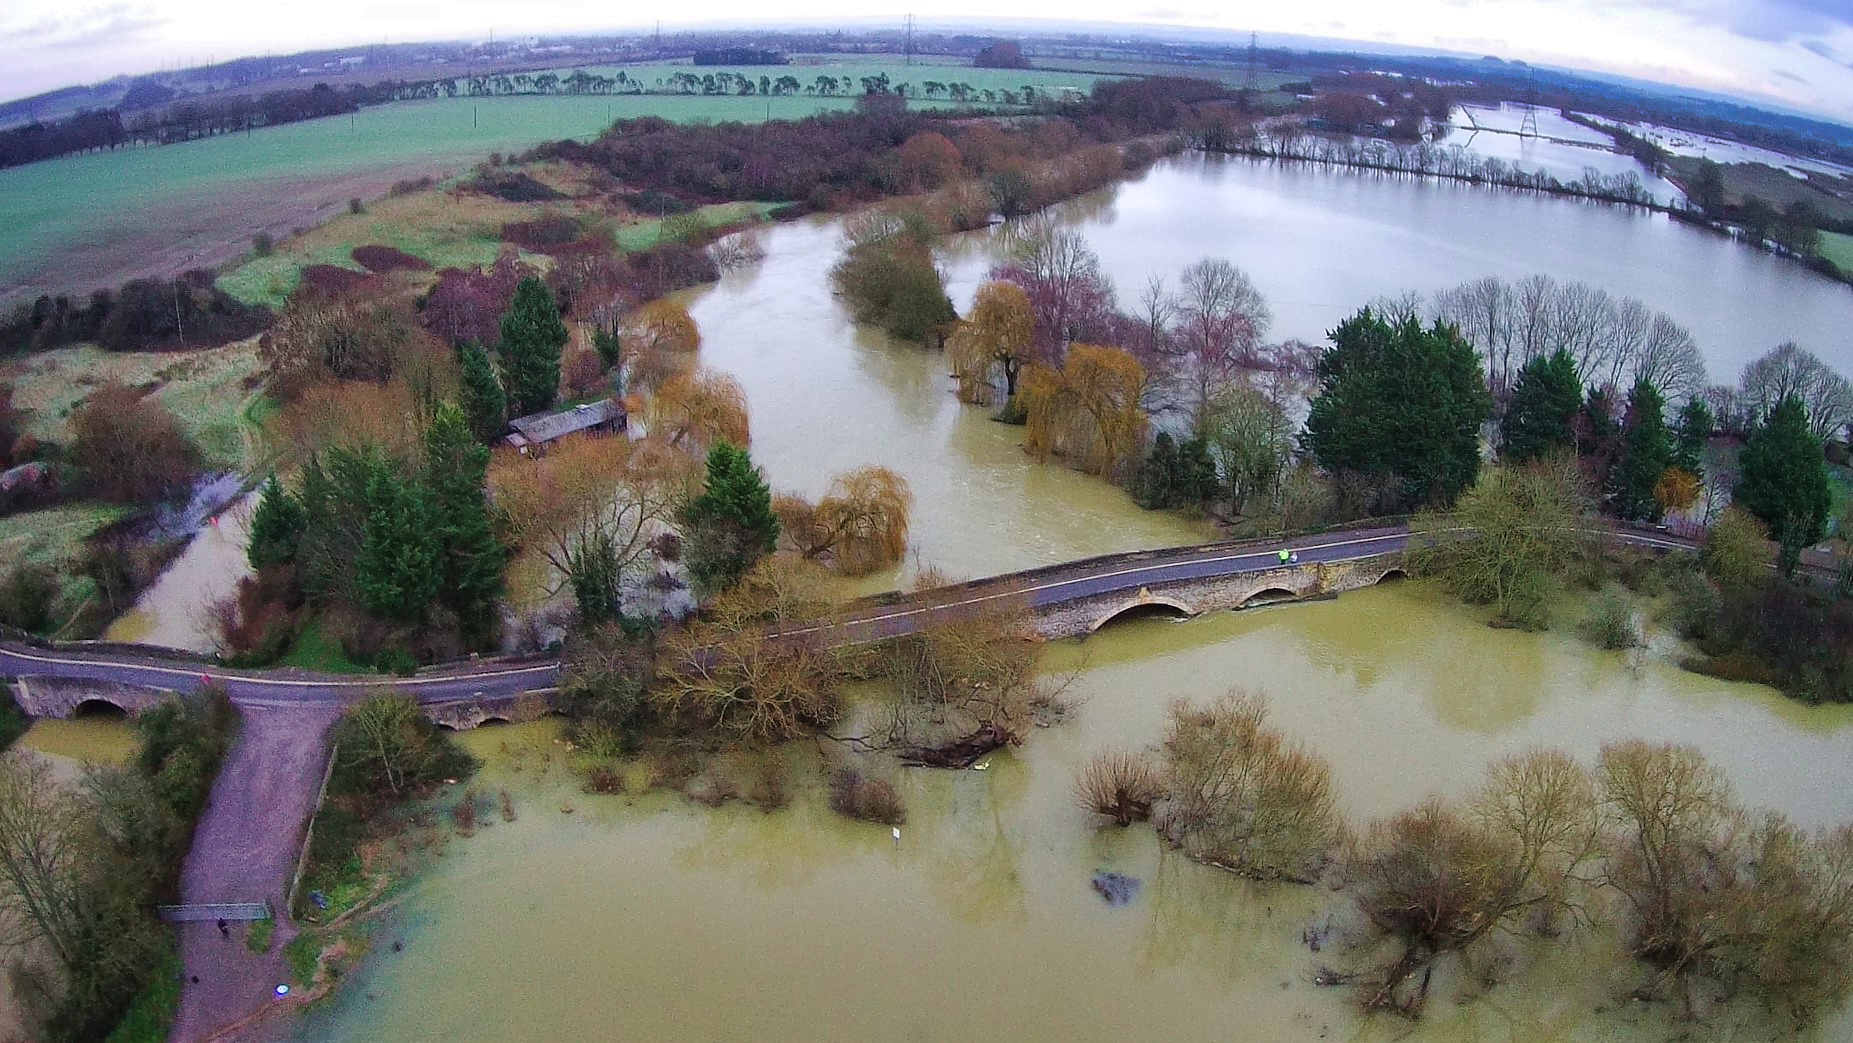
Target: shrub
column 1119, row 785
column 1241, row 796
column 355, row 206
column 262, row 244
column 386, row 745
column 603, row 778
column 183, row 741
column 130, row 448
column 865, row 798
column 381, row 259
column 27, row 594
column 1610, row 624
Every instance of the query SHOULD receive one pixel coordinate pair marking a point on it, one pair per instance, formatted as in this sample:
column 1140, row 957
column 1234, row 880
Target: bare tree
column 1786, row 371
column 1221, row 320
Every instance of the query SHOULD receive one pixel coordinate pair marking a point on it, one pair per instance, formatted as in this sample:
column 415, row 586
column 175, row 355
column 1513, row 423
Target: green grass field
column 175, row 201
column 1838, row 248
column 205, row 389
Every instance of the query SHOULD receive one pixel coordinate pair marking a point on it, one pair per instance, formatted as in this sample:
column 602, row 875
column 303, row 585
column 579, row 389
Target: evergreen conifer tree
column 731, row 525
column 532, row 336
column 1784, row 481
column 1646, row 453
column 1403, row 401
column 1690, row 435
column 472, row 556
column 276, row 527
column 481, row 395
column 1541, row 418
column 398, row 568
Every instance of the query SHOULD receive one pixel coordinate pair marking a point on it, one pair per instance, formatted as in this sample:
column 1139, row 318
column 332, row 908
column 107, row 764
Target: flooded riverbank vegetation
column 1714, row 903
column 85, row 861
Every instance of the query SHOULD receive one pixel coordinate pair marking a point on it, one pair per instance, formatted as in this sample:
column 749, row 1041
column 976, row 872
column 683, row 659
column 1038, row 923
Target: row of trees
column 144, row 315
column 1708, row 896
column 1422, row 159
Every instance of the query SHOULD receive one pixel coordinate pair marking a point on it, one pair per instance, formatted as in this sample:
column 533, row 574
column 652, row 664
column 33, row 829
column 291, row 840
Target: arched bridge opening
column 99, row 709
column 1393, row 576
column 1269, row 596
column 1147, row 606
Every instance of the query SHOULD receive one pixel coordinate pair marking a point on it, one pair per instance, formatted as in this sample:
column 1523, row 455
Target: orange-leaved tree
column 1088, row 411
column 998, row 334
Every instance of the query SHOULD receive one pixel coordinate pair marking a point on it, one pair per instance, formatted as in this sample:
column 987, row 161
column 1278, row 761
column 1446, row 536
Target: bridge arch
column 1146, row 604
column 100, row 707
column 1392, row 575
column 1269, row 596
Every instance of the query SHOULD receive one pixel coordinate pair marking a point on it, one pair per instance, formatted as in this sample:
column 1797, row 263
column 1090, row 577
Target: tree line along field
column 77, row 222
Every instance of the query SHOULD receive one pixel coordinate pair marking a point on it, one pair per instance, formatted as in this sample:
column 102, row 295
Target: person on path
column 225, row 929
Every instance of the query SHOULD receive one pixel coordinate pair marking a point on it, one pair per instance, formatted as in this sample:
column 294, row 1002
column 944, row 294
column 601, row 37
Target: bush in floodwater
column 1242, row 796
column 604, row 779
column 1119, row 785
column 463, row 814
column 1610, row 624
column 866, row 798
column 387, row 745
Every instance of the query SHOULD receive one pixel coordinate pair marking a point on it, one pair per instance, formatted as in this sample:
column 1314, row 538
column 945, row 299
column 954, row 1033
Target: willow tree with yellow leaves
column 860, row 525
column 696, row 409
column 1088, row 411
column 659, row 340
column 998, row 334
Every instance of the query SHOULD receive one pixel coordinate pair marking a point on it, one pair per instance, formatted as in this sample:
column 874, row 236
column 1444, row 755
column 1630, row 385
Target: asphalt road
column 1041, row 587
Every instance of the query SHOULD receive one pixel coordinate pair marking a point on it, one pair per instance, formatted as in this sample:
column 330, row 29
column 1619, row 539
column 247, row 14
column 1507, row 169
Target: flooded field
column 650, row 917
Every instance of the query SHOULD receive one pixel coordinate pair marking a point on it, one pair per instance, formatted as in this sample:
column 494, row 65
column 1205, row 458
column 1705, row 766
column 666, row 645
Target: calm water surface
column 650, row 918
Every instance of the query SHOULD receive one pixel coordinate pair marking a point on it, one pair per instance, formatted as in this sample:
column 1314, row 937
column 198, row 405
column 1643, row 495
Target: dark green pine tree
column 1198, row 483
column 1783, row 481
column 1646, row 453
column 731, row 525
column 1541, row 418
column 1690, row 434
column 1159, row 486
column 532, row 336
column 1400, row 401
column 481, row 395
column 276, row 527
column 472, row 555
column 399, row 564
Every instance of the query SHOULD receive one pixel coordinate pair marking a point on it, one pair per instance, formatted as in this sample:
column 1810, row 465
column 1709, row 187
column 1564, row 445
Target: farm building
column 531, row 434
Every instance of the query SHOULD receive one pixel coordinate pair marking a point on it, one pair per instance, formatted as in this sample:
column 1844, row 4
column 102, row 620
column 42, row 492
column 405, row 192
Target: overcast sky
column 1795, row 52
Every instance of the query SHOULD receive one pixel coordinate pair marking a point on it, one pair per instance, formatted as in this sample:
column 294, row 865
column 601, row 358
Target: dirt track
column 245, row 850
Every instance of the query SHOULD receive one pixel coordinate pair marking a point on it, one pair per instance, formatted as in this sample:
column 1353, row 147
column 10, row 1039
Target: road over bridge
column 1068, row 599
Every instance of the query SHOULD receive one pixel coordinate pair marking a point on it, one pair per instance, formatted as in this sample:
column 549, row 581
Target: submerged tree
column 1243, row 796
column 1088, row 411
column 1509, row 539
column 860, row 523
column 999, row 335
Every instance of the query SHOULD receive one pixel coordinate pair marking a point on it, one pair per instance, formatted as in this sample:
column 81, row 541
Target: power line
column 910, row 39
column 1253, row 80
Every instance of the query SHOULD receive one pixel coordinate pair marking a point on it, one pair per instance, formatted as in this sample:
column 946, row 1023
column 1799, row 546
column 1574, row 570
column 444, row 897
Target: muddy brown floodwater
column 652, row 918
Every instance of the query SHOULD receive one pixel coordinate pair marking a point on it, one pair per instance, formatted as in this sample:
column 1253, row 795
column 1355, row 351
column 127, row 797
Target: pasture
column 79, row 222
column 1838, row 248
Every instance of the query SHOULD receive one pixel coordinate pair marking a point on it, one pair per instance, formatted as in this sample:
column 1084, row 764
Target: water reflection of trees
column 973, row 865
column 1237, row 929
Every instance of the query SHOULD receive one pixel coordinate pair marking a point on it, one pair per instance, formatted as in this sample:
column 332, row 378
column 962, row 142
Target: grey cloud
column 112, row 24
column 1777, row 21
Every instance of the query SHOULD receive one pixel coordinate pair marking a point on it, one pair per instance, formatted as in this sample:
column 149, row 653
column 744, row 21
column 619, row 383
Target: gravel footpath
column 245, row 850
